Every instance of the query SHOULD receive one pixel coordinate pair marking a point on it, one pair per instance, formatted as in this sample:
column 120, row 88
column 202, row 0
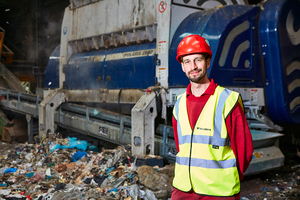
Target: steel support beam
column 46, row 111
column 143, row 115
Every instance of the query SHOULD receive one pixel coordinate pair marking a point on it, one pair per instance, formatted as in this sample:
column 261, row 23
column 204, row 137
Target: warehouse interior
column 102, row 108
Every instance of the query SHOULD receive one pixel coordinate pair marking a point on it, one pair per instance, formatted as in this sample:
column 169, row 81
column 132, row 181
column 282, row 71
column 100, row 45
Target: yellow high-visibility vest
column 206, row 162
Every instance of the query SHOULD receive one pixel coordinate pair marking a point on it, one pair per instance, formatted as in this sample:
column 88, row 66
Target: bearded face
column 195, row 67
column 196, row 75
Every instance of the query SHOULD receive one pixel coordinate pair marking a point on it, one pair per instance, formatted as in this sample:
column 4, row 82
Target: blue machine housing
column 280, row 40
column 51, row 79
column 251, row 48
column 130, row 67
column 232, row 39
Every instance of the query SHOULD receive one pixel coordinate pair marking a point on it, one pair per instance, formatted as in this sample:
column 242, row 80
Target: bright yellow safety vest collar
column 206, row 162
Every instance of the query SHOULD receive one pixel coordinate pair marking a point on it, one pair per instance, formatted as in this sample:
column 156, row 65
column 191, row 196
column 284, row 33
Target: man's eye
column 186, row 62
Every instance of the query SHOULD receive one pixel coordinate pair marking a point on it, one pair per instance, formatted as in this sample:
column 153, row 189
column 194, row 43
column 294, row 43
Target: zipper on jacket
column 190, row 157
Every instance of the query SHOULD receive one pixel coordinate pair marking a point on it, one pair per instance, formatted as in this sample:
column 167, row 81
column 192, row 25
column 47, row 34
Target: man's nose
column 194, row 65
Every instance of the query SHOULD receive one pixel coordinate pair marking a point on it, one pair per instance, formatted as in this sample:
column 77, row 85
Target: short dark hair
column 206, row 56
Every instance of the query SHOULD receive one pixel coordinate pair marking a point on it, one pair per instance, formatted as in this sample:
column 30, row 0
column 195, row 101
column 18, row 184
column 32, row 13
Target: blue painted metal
column 216, row 26
column 270, row 53
column 51, row 79
column 280, row 49
column 133, row 72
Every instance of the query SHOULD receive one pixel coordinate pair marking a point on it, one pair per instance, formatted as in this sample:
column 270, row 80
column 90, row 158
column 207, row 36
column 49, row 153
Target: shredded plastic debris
column 67, row 168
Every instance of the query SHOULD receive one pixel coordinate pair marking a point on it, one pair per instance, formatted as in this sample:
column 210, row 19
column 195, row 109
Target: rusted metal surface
column 115, row 39
column 104, row 95
column 127, row 15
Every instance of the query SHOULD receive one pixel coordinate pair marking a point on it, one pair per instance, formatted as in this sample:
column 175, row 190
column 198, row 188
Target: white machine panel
column 126, row 15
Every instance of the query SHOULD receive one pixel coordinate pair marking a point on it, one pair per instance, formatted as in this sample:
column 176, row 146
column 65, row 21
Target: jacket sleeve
column 175, row 133
column 241, row 138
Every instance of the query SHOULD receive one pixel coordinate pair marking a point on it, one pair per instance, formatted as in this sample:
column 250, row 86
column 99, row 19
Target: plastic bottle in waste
column 2, row 170
column 149, row 195
column 134, row 191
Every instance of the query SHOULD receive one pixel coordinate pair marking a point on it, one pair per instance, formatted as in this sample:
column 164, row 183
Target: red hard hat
column 192, row 44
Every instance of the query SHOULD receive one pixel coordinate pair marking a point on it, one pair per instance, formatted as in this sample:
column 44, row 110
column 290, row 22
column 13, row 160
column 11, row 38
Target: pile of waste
column 67, row 168
column 56, row 168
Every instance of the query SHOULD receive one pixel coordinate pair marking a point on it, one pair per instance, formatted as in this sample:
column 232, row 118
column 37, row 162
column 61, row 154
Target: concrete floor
column 281, row 183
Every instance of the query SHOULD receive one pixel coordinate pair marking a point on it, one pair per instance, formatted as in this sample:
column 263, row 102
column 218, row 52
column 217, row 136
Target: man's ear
column 208, row 62
column 182, row 67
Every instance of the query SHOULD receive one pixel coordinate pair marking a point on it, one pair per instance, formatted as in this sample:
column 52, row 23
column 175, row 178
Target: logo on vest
column 203, row 129
column 215, row 147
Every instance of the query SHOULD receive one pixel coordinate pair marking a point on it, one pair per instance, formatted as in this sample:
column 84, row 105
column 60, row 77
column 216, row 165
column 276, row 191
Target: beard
column 196, row 79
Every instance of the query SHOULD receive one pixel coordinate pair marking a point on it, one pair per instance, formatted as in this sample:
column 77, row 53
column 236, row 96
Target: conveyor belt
column 99, row 123
column 116, row 128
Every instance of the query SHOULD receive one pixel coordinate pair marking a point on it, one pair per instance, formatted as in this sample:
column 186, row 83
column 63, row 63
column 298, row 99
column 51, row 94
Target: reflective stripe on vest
column 206, row 149
column 206, row 163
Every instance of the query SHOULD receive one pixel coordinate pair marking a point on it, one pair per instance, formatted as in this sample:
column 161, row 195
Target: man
column 211, row 133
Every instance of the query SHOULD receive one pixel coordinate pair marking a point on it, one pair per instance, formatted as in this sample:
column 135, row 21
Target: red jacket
column 236, row 123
